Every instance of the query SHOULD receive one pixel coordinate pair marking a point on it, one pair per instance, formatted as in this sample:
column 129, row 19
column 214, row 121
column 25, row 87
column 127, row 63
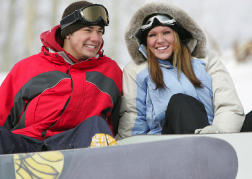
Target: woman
column 172, row 85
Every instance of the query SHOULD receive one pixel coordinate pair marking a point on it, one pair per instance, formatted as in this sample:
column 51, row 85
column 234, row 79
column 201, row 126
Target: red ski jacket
column 46, row 94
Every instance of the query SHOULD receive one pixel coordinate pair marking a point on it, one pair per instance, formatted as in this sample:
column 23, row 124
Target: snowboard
column 189, row 157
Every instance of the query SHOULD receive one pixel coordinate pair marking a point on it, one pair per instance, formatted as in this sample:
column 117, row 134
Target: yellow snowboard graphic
column 46, row 165
column 101, row 140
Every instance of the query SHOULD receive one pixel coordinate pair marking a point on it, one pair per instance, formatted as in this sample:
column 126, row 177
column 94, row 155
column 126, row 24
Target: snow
column 242, row 77
column 2, row 76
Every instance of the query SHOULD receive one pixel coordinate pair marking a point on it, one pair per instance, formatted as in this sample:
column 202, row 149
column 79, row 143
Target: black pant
column 184, row 115
column 78, row 137
column 247, row 125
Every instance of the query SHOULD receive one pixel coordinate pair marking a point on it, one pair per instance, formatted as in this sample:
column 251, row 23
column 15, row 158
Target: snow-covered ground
column 240, row 72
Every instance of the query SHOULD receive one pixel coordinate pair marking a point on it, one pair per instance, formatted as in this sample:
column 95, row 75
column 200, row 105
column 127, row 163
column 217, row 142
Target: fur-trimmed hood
column 165, row 8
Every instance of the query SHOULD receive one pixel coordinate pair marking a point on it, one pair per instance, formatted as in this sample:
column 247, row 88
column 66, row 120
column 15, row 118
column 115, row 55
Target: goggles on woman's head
column 91, row 14
column 163, row 19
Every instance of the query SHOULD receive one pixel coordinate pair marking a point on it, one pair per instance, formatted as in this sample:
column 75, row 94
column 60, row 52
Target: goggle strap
column 76, row 15
column 70, row 19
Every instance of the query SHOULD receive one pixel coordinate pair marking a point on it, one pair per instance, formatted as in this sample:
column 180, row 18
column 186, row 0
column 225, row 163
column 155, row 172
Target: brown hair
column 181, row 60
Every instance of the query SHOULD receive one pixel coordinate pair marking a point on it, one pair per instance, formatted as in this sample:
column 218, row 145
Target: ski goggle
column 163, row 19
column 91, row 14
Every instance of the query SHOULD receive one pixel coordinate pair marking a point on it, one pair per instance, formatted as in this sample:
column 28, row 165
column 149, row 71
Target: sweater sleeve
column 132, row 118
column 228, row 110
column 8, row 91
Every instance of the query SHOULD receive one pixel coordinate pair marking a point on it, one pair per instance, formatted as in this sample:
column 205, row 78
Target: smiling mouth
column 90, row 46
column 162, row 48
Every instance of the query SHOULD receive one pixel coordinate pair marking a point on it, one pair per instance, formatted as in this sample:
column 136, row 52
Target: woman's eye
column 151, row 35
column 166, row 32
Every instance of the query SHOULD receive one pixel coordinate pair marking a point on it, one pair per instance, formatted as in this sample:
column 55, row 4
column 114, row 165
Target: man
column 63, row 96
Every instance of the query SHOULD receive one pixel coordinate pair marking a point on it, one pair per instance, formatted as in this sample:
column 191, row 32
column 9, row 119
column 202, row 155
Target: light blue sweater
column 151, row 103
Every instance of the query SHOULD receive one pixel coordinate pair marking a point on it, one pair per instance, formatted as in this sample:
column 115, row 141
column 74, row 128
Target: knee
column 179, row 97
column 4, row 133
column 96, row 119
column 93, row 120
column 179, row 101
column 2, row 129
column 185, row 101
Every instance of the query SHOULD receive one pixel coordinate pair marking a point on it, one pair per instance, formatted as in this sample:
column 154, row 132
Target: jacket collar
column 61, row 58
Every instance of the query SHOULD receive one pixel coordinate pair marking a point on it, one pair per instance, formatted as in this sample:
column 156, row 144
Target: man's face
column 85, row 43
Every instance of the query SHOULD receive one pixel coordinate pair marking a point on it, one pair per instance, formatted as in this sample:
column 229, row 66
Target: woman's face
column 160, row 41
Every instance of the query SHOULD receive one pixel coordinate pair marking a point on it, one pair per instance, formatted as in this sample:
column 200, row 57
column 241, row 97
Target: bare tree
column 54, row 19
column 30, row 17
column 114, row 30
column 243, row 50
column 6, row 50
column 212, row 43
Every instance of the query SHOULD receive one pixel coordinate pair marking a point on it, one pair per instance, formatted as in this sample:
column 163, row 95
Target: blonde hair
column 181, row 59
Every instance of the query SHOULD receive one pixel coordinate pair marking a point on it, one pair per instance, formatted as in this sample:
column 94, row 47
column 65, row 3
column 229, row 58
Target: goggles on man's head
column 91, row 14
column 163, row 19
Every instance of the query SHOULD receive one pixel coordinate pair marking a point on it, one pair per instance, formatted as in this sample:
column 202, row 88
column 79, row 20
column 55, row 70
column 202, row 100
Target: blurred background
column 227, row 23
